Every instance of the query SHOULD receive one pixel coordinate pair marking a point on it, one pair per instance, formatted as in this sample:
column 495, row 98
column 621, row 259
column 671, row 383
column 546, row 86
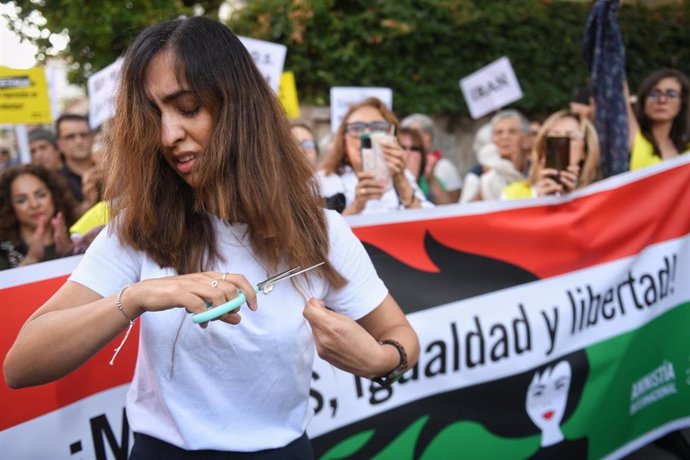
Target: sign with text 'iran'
column 490, row 88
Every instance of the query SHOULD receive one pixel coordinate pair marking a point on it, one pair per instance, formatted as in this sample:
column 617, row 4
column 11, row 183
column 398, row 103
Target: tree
column 99, row 31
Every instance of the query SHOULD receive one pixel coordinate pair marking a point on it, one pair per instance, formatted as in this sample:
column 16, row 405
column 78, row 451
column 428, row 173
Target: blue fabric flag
column 604, row 51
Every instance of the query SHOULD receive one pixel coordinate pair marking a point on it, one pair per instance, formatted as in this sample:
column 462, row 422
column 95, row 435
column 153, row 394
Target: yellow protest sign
column 24, row 96
column 287, row 93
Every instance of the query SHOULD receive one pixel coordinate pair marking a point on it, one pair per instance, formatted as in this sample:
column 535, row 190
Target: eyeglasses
column 574, row 136
column 308, row 144
column 668, row 94
column 411, row 148
column 357, row 128
column 72, row 136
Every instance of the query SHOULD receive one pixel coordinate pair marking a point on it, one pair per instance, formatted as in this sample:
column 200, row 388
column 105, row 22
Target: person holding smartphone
column 343, row 169
column 565, row 156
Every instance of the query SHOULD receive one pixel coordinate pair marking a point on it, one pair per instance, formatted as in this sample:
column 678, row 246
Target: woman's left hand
column 341, row 341
column 63, row 243
column 395, row 157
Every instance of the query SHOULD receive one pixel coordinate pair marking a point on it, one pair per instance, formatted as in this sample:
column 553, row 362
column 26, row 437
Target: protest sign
column 287, row 93
column 24, row 96
column 490, row 88
column 342, row 97
column 268, row 57
column 102, row 88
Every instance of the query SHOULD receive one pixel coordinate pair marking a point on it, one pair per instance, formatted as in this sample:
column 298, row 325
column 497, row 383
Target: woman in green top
column 658, row 128
column 582, row 169
column 35, row 209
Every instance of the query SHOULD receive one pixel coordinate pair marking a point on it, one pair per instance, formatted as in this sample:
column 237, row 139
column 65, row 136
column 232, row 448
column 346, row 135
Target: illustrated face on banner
column 547, row 396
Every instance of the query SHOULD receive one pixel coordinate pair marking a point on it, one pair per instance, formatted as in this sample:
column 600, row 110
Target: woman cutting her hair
column 209, row 193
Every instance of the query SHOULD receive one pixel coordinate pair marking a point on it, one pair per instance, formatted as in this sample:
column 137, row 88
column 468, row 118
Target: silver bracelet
column 118, row 304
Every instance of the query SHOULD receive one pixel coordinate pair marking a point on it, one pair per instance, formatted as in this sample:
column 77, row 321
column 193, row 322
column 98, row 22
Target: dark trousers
column 149, row 448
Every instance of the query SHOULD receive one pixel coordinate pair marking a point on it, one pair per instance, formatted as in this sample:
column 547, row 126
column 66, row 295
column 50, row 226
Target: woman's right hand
column 547, row 182
column 367, row 188
column 191, row 292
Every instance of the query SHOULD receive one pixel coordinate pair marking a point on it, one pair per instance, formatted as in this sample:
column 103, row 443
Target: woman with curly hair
column 36, row 208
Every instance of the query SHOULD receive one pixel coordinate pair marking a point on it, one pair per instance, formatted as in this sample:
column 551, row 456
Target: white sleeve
column 447, row 174
column 107, row 265
column 364, row 290
column 329, row 184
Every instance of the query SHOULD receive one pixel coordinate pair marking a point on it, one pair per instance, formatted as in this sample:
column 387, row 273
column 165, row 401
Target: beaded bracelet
column 118, row 304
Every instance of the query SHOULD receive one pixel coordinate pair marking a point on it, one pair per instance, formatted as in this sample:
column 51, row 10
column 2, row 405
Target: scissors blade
column 267, row 285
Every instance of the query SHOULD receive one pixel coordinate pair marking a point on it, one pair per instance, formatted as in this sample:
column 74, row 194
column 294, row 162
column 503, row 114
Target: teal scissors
column 265, row 286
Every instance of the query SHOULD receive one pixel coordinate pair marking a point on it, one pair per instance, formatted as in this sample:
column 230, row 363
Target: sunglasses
column 412, row 148
column 358, row 128
column 668, row 94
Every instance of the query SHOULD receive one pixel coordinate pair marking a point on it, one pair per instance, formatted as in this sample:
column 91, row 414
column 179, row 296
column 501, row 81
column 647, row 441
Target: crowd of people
column 514, row 160
column 205, row 186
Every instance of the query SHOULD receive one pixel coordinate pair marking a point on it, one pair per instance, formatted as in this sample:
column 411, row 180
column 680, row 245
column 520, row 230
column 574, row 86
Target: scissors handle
column 220, row 310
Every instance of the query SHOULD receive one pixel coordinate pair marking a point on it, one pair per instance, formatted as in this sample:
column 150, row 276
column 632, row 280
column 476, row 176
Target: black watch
column 396, row 373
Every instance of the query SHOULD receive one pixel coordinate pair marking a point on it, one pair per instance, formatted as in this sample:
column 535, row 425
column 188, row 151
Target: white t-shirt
column 238, row 387
column 447, row 175
column 330, row 184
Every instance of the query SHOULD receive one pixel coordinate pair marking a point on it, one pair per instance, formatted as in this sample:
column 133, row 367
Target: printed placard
column 269, row 58
column 287, row 93
column 102, row 87
column 24, row 96
column 490, row 88
column 342, row 97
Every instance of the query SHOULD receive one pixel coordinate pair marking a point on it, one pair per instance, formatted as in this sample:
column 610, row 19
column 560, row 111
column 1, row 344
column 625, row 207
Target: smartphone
column 373, row 158
column 557, row 152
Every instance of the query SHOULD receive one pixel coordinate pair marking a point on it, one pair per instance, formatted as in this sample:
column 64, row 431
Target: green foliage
column 422, row 48
column 419, row 48
column 99, row 31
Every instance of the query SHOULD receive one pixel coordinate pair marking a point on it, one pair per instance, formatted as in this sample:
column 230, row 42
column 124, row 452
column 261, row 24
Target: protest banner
column 102, row 87
column 490, row 88
column 24, row 96
column 269, row 58
column 342, row 97
column 546, row 326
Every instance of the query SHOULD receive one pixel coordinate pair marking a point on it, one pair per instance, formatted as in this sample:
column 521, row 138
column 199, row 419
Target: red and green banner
column 549, row 328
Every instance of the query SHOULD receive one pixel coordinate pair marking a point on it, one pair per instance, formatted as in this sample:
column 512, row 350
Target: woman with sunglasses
column 583, row 155
column 659, row 128
column 342, row 171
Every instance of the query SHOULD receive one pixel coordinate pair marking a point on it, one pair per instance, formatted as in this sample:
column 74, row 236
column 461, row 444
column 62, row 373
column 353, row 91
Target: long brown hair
column 336, row 158
column 252, row 169
column 63, row 201
column 590, row 171
column 680, row 128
